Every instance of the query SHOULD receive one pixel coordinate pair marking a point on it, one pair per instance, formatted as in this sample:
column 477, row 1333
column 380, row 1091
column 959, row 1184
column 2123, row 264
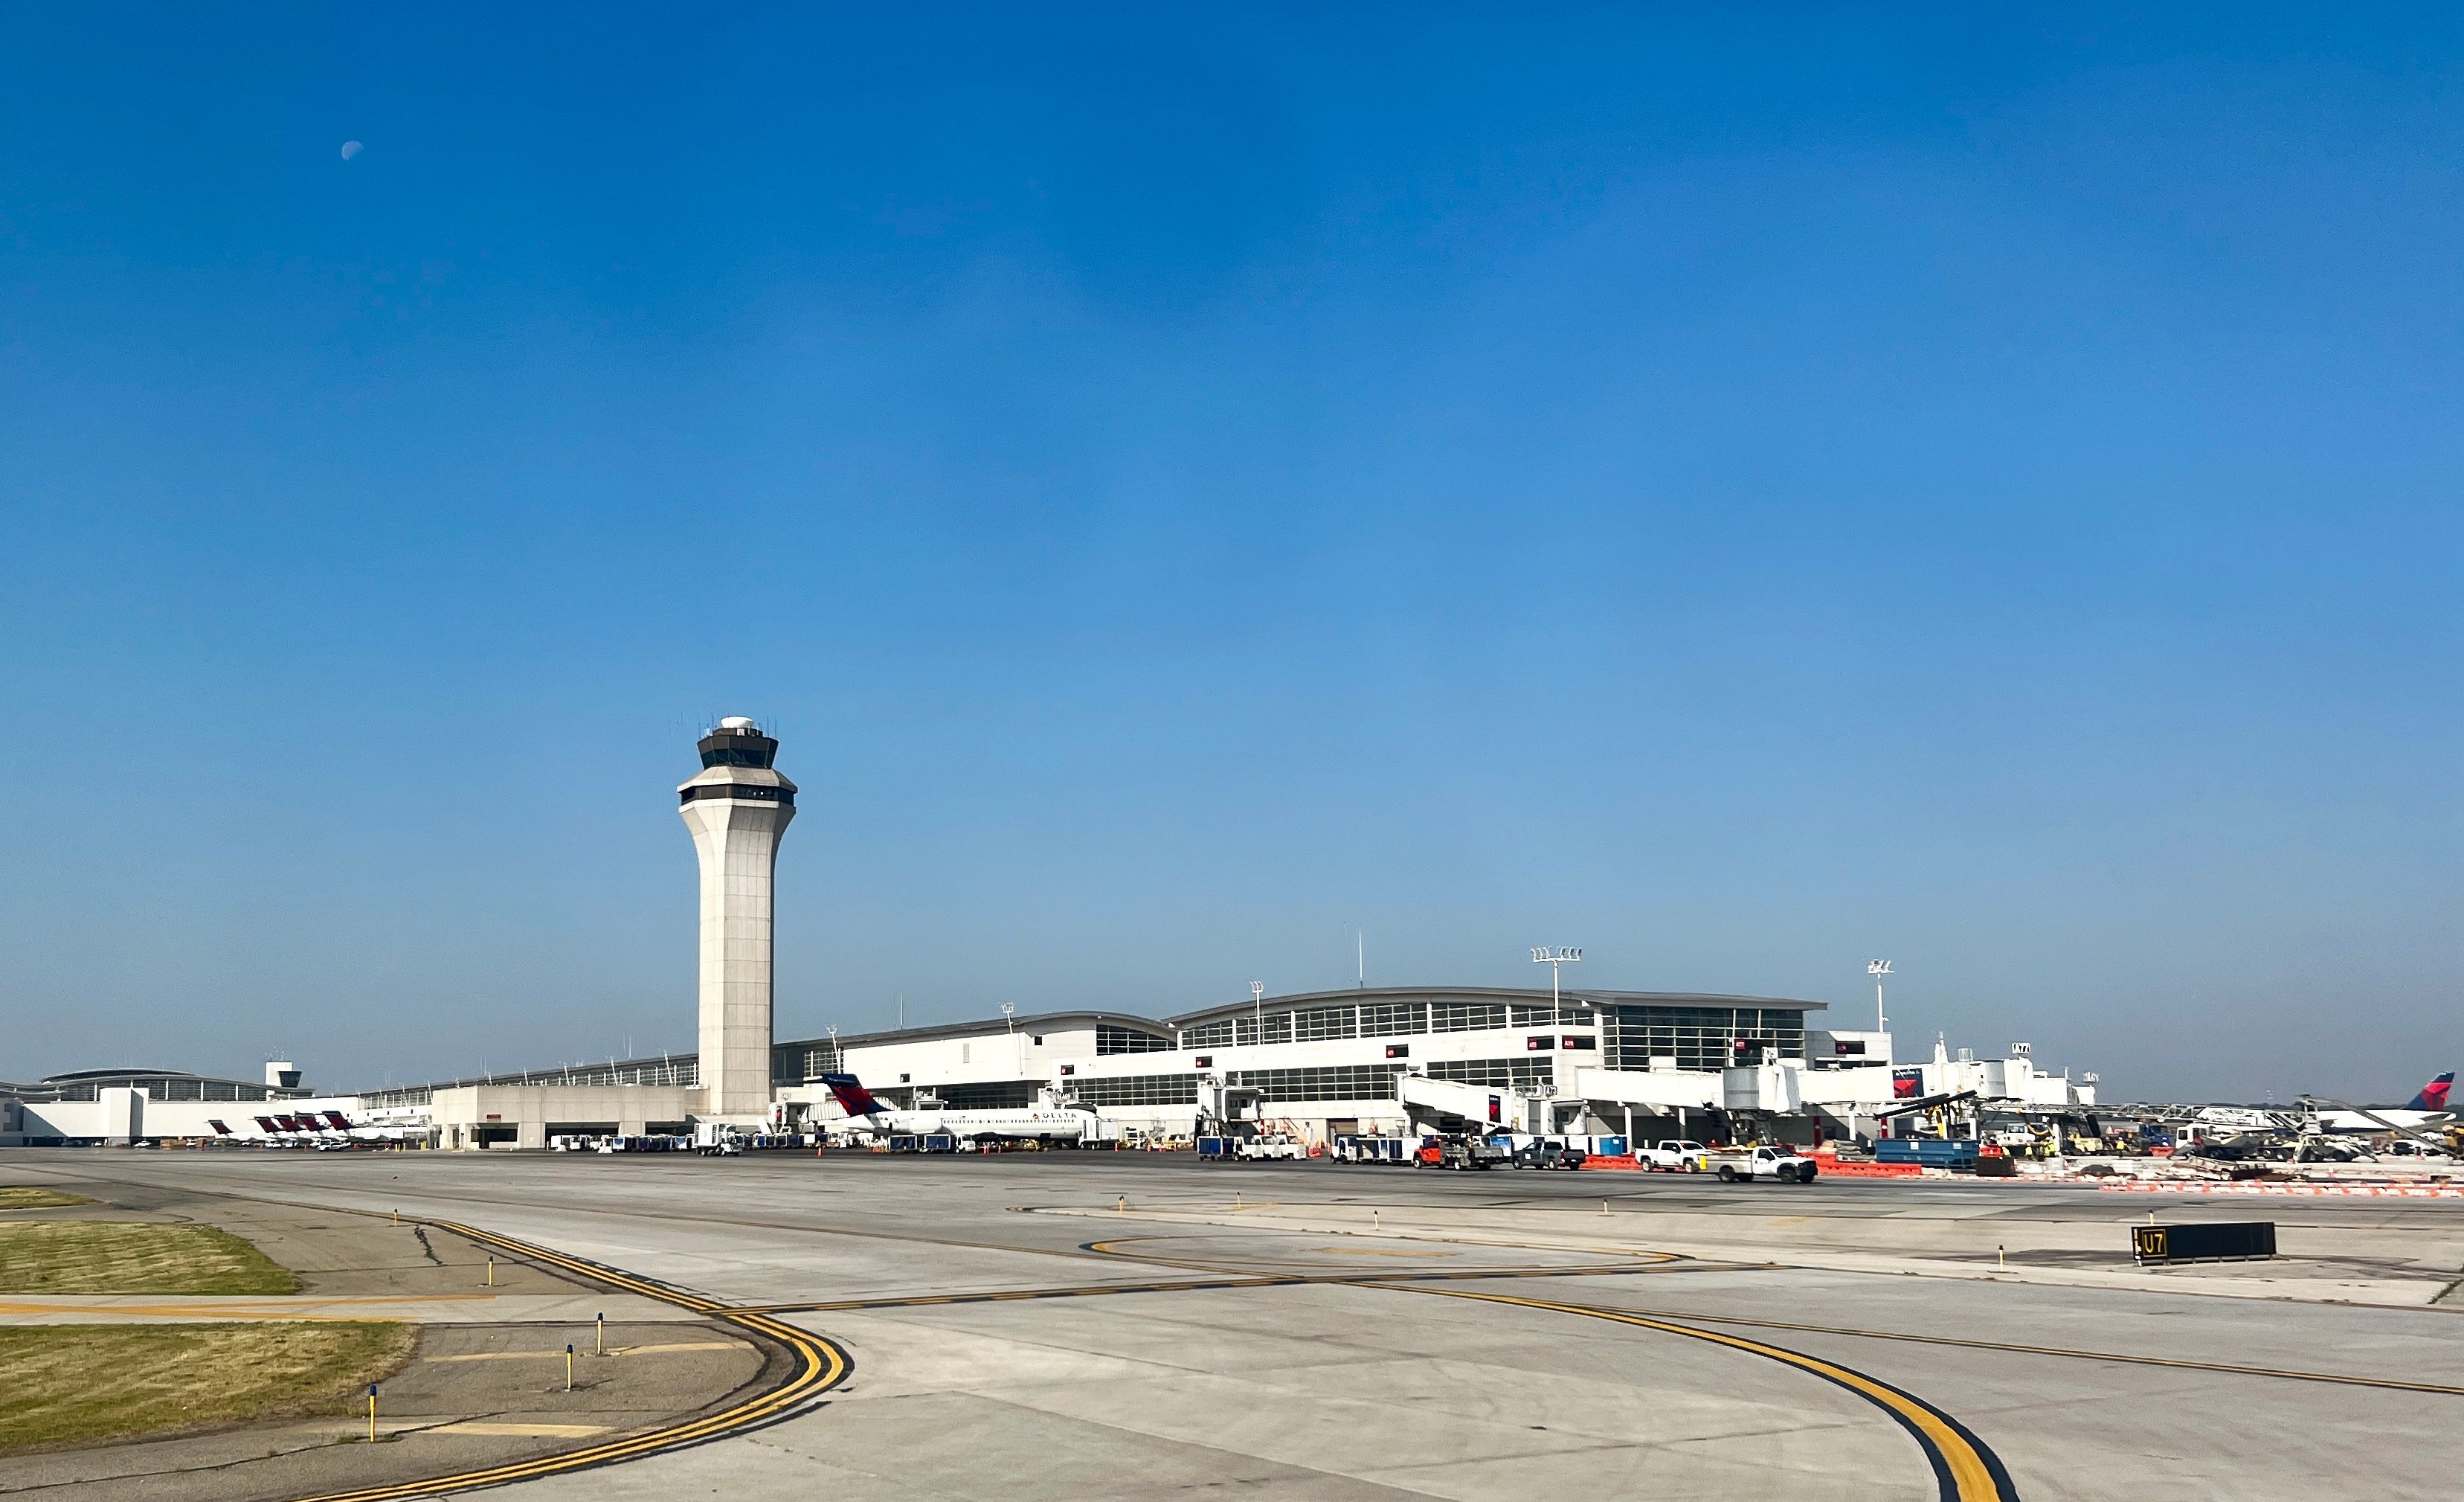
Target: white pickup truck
column 1674, row 1154
column 1775, row 1164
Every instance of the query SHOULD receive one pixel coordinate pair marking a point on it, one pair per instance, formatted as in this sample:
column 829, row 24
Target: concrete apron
column 2294, row 1280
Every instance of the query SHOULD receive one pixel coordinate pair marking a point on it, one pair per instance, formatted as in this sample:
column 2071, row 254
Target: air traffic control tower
column 737, row 808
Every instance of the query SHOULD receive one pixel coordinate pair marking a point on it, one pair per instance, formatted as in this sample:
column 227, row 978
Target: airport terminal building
column 1314, row 1065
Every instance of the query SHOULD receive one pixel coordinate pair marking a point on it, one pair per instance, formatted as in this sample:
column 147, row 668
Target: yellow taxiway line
column 1964, row 1469
column 820, row 1366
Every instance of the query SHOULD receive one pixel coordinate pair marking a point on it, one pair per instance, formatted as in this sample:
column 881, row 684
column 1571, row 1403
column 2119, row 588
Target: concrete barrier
column 2369, row 1191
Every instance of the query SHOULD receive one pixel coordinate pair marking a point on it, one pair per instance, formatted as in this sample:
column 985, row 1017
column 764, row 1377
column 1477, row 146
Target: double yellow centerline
column 820, row 1366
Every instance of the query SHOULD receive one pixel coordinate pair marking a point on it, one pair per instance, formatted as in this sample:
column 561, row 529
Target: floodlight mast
column 1257, row 1010
column 1879, row 968
column 1555, row 959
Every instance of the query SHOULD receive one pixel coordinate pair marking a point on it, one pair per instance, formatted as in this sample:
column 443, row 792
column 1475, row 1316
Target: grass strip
column 70, row 1384
column 120, row 1257
column 26, row 1197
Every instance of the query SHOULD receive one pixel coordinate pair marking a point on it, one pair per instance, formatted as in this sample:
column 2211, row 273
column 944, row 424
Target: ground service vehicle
column 1677, row 1154
column 1461, row 1153
column 1353, row 1149
column 1775, row 1164
column 1550, row 1154
column 1274, row 1145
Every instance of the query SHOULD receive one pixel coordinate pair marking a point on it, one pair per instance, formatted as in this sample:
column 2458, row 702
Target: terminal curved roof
column 1038, row 1021
column 1524, row 995
column 166, row 1084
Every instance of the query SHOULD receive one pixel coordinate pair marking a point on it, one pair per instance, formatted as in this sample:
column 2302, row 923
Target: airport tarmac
column 1098, row 1326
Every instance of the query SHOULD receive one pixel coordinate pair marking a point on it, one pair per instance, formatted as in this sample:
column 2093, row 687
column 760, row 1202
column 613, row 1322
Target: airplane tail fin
column 2433, row 1095
column 220, row 1130
column 851, row 1096
column 341, row 1124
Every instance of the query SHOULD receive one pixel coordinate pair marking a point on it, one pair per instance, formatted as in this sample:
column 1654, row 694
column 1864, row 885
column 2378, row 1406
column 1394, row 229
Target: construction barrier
column 2367, row 1191
column 1832, row 1168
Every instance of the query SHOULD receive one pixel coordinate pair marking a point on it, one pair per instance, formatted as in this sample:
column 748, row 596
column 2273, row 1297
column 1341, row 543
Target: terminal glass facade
column 1112, row 1039
column 1333, row 1082
column 1527, row 1071
column 1214, row 1035
column 1381, row 1020
column 1697, row 1038
column 794, row 1063
column 1393, row 1019
column 1137, row 1090
column 1008, row 1094
column 1324, row 1024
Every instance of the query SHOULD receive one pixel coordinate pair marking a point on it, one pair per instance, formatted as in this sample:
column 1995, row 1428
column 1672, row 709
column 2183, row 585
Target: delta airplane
column 1026, row 1124
column 2426, row 1109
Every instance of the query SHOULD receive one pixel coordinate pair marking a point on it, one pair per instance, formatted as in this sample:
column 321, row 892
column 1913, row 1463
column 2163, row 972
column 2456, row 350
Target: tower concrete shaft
column 737, row 808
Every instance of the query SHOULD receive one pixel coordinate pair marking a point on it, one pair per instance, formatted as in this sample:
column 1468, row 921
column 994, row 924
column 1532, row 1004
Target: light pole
column 1879, row 968
column 1009, row 1021
column 1258, row 1009
column 1555, row 959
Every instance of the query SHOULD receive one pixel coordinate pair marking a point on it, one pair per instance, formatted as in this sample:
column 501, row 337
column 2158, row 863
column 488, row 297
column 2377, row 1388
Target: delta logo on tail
column 851, row 1096
column 2433, row 1095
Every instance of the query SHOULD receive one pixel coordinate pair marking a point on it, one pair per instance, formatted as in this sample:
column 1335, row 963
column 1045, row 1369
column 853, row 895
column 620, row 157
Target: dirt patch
column 120, row 1257
column 63, row 1385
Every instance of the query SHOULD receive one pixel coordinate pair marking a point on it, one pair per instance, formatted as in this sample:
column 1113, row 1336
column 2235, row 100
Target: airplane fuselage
column 1055, row 1126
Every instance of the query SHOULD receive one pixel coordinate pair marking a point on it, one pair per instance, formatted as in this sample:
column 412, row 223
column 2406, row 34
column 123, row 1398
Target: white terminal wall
column 982, row 1056
column 532, row 1113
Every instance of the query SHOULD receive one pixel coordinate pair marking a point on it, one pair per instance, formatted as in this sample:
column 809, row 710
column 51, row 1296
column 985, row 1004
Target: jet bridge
column 1445, row 1105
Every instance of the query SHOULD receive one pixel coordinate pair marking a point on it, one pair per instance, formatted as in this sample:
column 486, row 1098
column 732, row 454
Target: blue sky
column 1739, row 491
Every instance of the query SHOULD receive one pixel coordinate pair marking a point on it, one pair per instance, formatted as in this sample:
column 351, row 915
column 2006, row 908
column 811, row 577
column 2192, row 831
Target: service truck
column 1677, row 1156
column 1462, row 1152
column 1763, row 1161
column 1550, row 1154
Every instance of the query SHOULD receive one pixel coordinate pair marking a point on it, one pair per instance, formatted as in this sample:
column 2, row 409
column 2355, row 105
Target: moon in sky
column 350, row 149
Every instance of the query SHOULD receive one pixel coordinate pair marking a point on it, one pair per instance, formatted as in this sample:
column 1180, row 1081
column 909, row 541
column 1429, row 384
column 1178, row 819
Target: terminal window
column 1391, row 1019
column 1002, row 1095
column 1333, row 1082
column 1465, row 1017
column 1698, row 1038
column 1214, row 1035
column 1112, row 1039
column 1494, row 1073
column 1325, row 1022
column 1278, row 1028
column 1139, row 1090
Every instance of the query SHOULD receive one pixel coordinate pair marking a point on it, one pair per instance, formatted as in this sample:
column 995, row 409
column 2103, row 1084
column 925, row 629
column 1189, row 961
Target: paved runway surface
column 1310, row 1331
